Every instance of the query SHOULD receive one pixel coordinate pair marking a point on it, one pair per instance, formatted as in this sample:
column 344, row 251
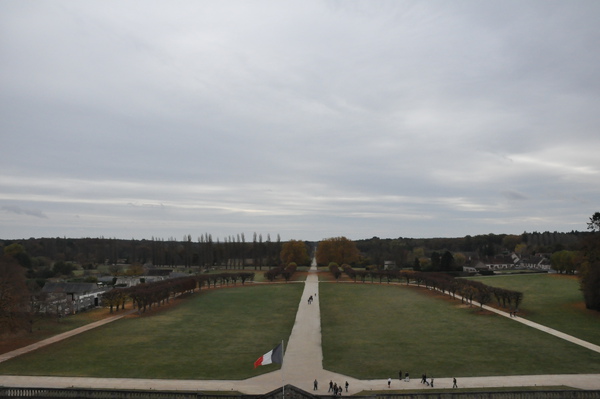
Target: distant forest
column 236, row 251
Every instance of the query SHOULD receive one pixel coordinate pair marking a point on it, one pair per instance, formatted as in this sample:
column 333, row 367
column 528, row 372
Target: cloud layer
column 308, row 119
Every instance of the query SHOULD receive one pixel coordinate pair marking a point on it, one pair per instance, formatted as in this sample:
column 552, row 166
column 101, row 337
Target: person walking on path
column 454, row 383
column 347, row 385
column 400, row 375
column 330, row 386
column 432, row 382
column 389, row 382
column 315, row 385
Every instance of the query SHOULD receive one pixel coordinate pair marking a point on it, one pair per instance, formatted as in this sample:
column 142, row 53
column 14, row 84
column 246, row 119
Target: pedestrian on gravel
column 400, row 375
column 315, row 385
column 454, row 381
column 330, row 386
column 347, row 385
column 389, row 382
column 432, row 382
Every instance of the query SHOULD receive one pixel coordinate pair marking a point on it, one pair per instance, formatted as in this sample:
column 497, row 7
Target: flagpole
column 282, row 379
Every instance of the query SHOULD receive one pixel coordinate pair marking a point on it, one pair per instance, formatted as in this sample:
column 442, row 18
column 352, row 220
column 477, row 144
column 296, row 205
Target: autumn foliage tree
column 339, row 250
column 295, row 251
column 14, row 295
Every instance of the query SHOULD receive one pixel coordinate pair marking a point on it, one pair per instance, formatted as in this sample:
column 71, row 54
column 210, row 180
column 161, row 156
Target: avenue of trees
column 468, row 290
column 144, row 296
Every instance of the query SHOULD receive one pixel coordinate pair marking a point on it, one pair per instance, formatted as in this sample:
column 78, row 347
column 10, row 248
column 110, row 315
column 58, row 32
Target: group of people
column 405, row 378
column 424, row 380
column 333, row 387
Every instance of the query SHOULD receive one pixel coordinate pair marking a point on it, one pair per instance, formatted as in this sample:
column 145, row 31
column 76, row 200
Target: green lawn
column 368, row 331
column 49, row 326
column 554, row 301
column 375, row 330
column 216, row 334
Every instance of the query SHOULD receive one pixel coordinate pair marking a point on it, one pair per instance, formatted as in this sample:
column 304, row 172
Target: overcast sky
column 307, row 119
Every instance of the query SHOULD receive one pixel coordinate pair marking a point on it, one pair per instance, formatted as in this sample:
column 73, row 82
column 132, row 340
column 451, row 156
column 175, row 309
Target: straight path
column 303, row 363
column 303, row 360
column 59, row 337
column 545, row 329
column 541, row 327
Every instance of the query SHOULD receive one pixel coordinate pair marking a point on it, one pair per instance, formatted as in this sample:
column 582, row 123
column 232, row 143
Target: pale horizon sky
column 307, row 119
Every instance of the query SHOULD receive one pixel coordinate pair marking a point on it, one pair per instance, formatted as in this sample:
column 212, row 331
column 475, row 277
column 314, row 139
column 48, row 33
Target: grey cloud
column 376, row 118
column 514, row 195
column 20, row 211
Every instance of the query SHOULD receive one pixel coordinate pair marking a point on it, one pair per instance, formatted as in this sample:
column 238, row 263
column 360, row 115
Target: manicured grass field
column 217, row 334
column 375, row 330
column 368, row 331
column 554, row 301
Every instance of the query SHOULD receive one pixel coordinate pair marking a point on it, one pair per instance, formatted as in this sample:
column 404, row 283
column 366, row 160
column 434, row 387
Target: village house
column 71, row 297
column 537, row 262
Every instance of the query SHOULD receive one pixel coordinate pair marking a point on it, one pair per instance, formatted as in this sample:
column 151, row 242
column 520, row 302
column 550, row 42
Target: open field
column 554, row 301
column 373, row 330
column 368, row 331
column 216, row 334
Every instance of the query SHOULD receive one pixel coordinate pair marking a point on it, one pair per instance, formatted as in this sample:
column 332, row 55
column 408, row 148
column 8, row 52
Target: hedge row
column 223, row 278
column 145, row 295
column 335, row 270
column 286, row 271
column 467, row 289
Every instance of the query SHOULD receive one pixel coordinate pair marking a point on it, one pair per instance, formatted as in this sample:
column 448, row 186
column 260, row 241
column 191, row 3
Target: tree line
column 404, row 252
column 144, row 296
column 230, row 252
column 466, row 289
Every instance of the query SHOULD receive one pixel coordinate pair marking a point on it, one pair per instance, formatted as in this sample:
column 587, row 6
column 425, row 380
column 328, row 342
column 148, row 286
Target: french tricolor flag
column 275, row 355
